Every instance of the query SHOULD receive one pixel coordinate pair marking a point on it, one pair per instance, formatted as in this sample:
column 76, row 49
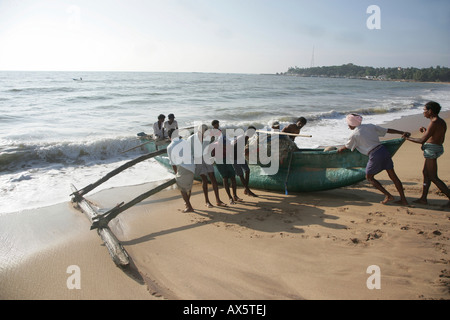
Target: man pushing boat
column 365, row 138
column 295, row 128
column 432, row 146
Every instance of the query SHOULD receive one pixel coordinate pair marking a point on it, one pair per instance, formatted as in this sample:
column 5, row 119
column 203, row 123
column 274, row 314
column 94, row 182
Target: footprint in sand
column 444, row 279
column 377, row 234
column 377, row 214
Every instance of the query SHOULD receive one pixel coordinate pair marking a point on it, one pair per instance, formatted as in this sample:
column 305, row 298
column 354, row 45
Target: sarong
column 203, row 168
column 379, row 159
column 184, row 178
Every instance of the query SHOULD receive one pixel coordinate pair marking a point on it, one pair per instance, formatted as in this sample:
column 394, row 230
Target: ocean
column 57, row 129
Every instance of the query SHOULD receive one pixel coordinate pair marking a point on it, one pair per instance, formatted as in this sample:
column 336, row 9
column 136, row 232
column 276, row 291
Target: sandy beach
column 275, row 247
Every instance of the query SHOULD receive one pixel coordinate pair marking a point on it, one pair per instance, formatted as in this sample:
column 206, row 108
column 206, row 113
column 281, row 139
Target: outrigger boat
column 303, row 170
column 306, row 170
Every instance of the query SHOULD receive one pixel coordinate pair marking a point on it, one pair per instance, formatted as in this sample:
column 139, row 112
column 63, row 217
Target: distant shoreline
column 355, row 78
column 352, row 71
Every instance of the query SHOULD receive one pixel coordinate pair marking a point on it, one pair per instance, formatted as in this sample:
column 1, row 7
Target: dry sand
column 298, row 246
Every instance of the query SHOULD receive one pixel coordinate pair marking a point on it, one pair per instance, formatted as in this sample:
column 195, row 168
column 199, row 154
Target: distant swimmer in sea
column 432, row 146
column 295, row 127
column 365, row 138
column 158, row 128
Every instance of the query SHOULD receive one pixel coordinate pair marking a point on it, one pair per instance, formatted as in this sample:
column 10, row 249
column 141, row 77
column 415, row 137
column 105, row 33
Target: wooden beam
column 285, row 133
column 115, row 248
column 101, row 221
column 82, row 192
column 141, row 145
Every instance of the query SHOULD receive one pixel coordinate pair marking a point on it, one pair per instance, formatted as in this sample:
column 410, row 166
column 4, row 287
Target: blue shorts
column 379, row 159
column 432, row 151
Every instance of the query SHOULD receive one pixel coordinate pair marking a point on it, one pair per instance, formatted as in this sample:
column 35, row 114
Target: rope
column 287, row 176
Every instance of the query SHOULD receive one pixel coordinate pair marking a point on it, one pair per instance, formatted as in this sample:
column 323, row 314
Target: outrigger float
column 100, row 221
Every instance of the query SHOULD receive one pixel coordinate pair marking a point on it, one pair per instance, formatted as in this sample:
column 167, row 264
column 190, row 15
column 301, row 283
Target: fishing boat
column 305, row 170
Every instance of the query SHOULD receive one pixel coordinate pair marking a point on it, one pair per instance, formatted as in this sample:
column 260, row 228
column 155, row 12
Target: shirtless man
column 225, row 166
column 432, row 146
column 240, row 165
column 295, row 127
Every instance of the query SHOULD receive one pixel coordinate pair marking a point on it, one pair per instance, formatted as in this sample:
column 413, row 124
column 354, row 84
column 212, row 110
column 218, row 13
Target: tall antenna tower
column 312, row 58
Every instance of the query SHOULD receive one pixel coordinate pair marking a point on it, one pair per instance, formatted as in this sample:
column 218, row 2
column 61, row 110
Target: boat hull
column 309, row 169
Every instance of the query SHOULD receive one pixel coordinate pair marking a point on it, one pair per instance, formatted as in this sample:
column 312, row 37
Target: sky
column 223, row 36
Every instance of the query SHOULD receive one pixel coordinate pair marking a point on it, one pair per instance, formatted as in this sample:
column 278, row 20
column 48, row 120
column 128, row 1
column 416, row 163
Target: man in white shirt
column 200, row 150
column 158, row 128
column 171, row 123
column 365, row 138
column 183, row 166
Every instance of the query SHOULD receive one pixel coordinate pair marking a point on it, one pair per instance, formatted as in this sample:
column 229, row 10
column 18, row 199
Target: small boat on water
column 307, row 170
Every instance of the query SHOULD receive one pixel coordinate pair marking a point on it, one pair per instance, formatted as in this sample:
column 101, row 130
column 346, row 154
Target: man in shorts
column 184, row 168
column 226, row 169
column 240, row 164
column 200, row 150
column 432, row 146
column 365, row 138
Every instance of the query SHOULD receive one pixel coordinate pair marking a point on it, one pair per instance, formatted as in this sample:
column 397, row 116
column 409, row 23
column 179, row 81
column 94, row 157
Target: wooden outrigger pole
column 285, row 133
column 123, row 167
column 101, row 221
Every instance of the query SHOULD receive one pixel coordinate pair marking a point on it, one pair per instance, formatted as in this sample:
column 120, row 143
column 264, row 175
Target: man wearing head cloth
column 354, row 120
column 365, row 139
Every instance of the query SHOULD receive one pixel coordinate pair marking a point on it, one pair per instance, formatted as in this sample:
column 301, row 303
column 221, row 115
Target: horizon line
column 218, row 72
